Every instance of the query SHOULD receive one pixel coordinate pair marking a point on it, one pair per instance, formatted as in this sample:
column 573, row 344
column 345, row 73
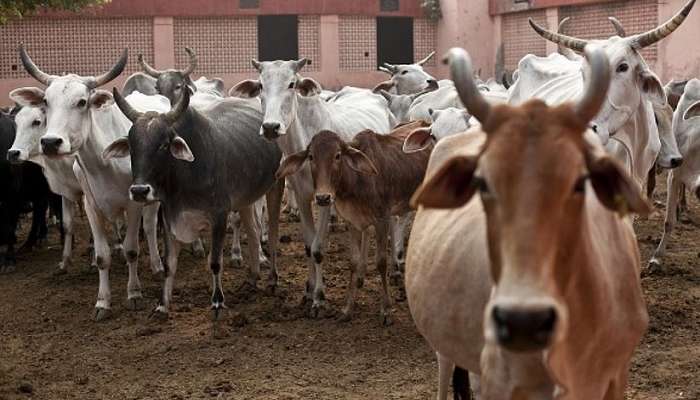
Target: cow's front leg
column 216, row 262
column 382, row 233
column 150, row 228
column 172, row 253
column 103, row 260
column 134, row 298
column 274, row 204
column 319, row 243
column 68, row 211
column 355, row 242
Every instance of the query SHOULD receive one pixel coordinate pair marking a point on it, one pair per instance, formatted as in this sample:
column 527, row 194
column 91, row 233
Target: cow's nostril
column 676, row 162
column 271, row 126
column 13, row 155
column 524, row 329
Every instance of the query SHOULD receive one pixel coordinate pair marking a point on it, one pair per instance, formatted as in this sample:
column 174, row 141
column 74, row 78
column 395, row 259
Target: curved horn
column 391, row 67
column 256, row 64
column 179, row 108
column 385, row 70
column 645, row 39
column 193, row 62
column 426, row 59
column 596, row 90
column 126, row 108
column 147, row 68
column 299, row 64
column 566, row 41
column 463, row 77
column 619, row 29
column 32, row 69
column 563, row 23
column 112, row 73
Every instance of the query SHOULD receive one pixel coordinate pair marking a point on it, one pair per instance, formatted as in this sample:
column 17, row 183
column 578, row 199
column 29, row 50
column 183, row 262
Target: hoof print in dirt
column 148, row 331
column 102, row 314
column 26, row 388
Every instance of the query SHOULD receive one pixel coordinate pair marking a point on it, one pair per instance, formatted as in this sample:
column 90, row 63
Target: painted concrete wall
column 679, row 54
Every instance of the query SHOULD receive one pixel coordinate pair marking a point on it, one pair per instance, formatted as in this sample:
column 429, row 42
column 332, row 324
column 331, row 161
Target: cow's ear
column 451, row 186
column 308, row 87
column 614, row 187
column 692, row 111
column 28, row 96
column 101, row 98
column 417, row 140
column 651, row 86
column 386, row 85
column 291, row 164
column 180, row 150
column 117, row 149
column 358, row 161
column 248, row 88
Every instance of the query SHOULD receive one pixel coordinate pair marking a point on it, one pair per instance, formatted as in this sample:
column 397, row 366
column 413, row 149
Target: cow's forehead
column 66, row 87
column 692, row 89
column 274, row 70
column 618, row 49
column 29, row 114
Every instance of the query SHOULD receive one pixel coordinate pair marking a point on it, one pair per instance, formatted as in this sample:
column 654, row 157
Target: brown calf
column 370, row 179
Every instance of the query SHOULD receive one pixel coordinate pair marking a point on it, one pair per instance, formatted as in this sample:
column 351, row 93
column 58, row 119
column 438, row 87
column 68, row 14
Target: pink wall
column 679, row 54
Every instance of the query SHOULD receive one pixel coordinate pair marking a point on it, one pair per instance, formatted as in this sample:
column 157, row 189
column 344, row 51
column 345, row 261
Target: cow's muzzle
column 324, row 199
column 13, row 156
column 271, row 130
column 141, row 193
column 524, row 329
column 51, row 145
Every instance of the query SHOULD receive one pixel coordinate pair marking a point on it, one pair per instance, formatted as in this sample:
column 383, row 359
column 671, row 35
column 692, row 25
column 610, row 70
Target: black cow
column 201, row 165
column 22, row 184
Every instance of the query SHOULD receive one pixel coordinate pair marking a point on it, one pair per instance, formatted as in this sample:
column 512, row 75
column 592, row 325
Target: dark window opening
column 278, row 37
column 249, row 4
column 394, row 40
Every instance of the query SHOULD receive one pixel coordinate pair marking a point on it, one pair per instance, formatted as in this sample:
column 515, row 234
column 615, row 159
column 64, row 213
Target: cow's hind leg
column 216, row 260
column 274, row 204
column 236, row 258
column 445, row 370
column 131, row 254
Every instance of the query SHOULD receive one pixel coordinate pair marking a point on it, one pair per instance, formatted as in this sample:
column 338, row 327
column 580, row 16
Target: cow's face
column 449, row 121
column 410, row 78
column 69, row 102
column 171, row 83
column 31, row 126
column 534, row 203
column 152, row 144
column 329, row 158
column 632, row 82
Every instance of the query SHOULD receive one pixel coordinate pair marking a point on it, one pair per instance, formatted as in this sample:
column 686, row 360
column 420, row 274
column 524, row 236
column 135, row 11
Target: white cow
column 83, row 121
column 686, row 128
column 293, row 113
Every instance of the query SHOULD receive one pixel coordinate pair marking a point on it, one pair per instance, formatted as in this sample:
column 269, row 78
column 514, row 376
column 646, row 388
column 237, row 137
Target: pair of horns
column 156, row 73
column 587, row 108
column 171, row 116
column 617, row 25
column 91, row 82
column 638, row 41
column 391, row 69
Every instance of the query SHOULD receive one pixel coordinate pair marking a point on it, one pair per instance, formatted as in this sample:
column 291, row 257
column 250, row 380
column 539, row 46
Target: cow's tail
column 460, row 384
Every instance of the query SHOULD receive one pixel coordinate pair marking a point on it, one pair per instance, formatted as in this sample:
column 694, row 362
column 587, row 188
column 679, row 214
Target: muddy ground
column 266, row 348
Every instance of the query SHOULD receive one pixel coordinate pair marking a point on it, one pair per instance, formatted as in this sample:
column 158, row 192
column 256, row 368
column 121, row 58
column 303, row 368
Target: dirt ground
column 266, row 348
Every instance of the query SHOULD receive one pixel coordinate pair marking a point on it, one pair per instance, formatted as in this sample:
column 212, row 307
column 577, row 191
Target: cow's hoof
column 271, row 289
column 135, row 304
column 360, row 283
column 396, row 279
column 654, row 266
column 401, row 294
column 102, row 314
column 217, row 312
column 236, row 262
column 60, row 271
column 159, row 314
column 320, row 310
column 386, row 319
column 345, row 316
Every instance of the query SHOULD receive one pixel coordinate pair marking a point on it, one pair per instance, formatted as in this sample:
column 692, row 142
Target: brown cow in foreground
column 521, row 267
column 370, row 180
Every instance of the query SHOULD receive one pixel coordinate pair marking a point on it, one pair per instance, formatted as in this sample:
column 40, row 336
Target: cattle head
column 531, row 175
column 329, row 158
column 152, row 143
column 31, row 124
column 445, row 122
column 632, row 80
column 279, row 87
column 170, row 82
column 69, row 102
column 408, row 78
column 400, row 104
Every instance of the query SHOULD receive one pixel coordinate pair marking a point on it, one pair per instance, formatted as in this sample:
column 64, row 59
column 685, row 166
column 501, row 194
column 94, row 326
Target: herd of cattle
column 522, row 267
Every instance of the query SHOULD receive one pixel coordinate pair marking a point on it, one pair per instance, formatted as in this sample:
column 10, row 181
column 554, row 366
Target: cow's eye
column 36, row 122
column 580, row 186
column 311, row 158
column 623, row 67
column 291, row 85
column 163, row 147
column 404, row 72
column 337, row 156
column 81, row 103
column 178, row 86
column 481, row 185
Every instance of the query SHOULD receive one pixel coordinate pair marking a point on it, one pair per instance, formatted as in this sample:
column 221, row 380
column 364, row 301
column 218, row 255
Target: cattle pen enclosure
column 265, row 348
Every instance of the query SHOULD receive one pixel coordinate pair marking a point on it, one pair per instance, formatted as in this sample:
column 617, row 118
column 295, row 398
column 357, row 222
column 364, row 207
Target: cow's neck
column 312, row 116
column 640, row 136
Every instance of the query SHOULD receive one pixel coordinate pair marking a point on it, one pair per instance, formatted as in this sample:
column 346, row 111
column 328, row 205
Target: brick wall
column 223, row 45
column 309, row 41
column 358, row 43
column 591, row 21
column 519, row 39
column 86, row 46
column 424, row 39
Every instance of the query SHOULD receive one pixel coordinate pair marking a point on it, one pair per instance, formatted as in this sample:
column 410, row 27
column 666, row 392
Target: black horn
column 147, row 68
column 179, row 108
column 126, row 108
column 193, row 62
